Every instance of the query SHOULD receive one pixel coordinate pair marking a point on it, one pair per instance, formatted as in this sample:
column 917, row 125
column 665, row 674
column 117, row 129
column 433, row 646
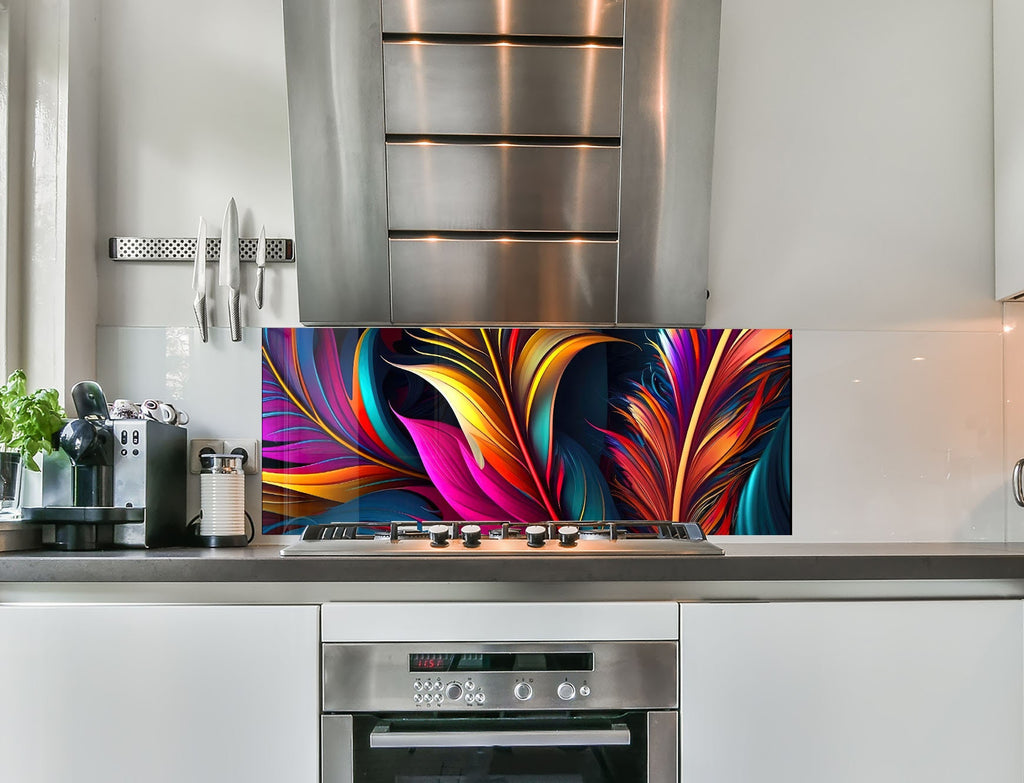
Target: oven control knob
column 566, row 691
column 535, row 535
column 584, row 690
column 568, row 535
column 438, row 535
column 522, row 691
column 471, row 535
column 453, row 692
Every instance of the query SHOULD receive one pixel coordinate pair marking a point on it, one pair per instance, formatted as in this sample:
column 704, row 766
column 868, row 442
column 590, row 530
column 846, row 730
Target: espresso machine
column 117, row 482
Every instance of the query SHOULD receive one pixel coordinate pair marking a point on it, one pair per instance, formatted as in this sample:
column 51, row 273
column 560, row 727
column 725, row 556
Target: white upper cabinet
column 1008, row 108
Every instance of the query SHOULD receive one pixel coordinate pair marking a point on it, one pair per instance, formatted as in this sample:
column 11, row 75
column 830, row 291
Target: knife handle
column 258, row 293
column 234, row 317
column 199, row 306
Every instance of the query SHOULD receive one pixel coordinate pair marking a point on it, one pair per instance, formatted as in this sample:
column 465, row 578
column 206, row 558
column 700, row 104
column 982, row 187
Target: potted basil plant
column 28, row 423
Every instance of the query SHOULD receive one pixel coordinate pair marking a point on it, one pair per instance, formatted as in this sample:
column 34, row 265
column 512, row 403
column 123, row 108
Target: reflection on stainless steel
column 503, row 281
column 336, row 122
column 336, row 749
column 668, row 129
column 594, row 18
column 616, row 734
column 375, row 677
column 435, row 88
column 662, row 744
column 501, row 187
column 504, row 117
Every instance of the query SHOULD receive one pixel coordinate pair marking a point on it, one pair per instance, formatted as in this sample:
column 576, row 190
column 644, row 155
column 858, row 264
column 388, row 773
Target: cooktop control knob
column 522, row 691
column 535, row 535
column 566, row 691
column 453, row 692
column 471, row 535
column 568, row 535
column 438, row 535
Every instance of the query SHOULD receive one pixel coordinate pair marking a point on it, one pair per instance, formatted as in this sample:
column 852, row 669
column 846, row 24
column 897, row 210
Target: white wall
column 193, row 112
column 852, row 203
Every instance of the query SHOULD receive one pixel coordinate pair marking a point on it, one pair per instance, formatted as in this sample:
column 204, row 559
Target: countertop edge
column 741, row 563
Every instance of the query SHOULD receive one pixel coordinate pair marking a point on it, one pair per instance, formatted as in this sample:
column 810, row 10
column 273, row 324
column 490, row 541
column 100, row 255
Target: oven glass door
column 605, row 748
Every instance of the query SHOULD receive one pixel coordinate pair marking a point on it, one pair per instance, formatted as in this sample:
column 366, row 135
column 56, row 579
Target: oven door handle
column 383, row 737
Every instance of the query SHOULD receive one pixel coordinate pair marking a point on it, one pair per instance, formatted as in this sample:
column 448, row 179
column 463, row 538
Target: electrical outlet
column 198, row 446
column 250, row 449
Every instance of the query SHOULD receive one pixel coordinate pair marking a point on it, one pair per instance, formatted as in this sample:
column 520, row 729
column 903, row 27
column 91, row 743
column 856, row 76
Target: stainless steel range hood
column 502, row 161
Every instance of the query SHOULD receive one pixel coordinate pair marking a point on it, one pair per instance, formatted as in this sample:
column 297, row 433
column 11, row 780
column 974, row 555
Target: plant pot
column 11, row 469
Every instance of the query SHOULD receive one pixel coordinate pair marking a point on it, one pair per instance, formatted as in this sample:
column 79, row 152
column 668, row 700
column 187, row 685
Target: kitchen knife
column 229, row 274
column 261, row 262
column 199, row 281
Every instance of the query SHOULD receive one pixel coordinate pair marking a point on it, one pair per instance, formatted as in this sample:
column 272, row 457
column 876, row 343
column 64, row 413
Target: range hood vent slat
column 503, row 39
column 597, row 18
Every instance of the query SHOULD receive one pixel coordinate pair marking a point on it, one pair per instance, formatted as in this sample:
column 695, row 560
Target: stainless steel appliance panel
column 336, row 742
column 512, row 281
column 502, row 187
column 670, row 67
column 150, row 472
column 502, row 89
column 662, row 746
column 383, row 737
column 376, row 677
column 596, row 18
column 336, row 124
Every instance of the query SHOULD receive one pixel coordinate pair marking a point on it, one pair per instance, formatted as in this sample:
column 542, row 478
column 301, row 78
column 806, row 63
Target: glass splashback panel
column 434, row 424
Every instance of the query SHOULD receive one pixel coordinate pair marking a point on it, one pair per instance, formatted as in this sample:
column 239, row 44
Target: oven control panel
column 440, row 692
column 513, row 676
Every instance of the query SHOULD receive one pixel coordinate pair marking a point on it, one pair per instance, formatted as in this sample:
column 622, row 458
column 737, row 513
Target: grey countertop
column 743, row 562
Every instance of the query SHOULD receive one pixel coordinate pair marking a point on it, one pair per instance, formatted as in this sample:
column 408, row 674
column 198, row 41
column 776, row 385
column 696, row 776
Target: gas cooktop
column 458, row 539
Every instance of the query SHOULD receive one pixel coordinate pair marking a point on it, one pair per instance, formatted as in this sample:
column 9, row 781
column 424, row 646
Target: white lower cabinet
column 857, row 692
column 159, row 694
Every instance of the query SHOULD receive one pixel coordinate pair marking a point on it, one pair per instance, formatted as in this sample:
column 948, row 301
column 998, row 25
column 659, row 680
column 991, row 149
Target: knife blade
column 261, row 262
column 229, row 273
column 199, row 281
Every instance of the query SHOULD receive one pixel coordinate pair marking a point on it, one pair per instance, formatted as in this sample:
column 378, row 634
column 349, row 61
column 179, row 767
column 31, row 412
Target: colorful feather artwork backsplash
column 527, row 425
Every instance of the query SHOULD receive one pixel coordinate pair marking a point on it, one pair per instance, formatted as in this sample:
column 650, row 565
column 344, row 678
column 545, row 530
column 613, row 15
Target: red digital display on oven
column 430, row 662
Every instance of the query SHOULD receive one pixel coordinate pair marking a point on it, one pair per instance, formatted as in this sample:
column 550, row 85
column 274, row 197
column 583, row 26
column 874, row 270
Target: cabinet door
column 1008, row 127
column 927, row 691
column 162, row 694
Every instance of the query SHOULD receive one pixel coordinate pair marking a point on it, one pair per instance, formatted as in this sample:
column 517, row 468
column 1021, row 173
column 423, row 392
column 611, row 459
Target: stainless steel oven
column 517, row 712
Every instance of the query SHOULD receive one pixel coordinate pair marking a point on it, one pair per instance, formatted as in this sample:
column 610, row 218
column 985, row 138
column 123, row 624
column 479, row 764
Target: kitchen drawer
column 502, row 89
column 511, row 281
column 601, row 18
column 502, row 187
